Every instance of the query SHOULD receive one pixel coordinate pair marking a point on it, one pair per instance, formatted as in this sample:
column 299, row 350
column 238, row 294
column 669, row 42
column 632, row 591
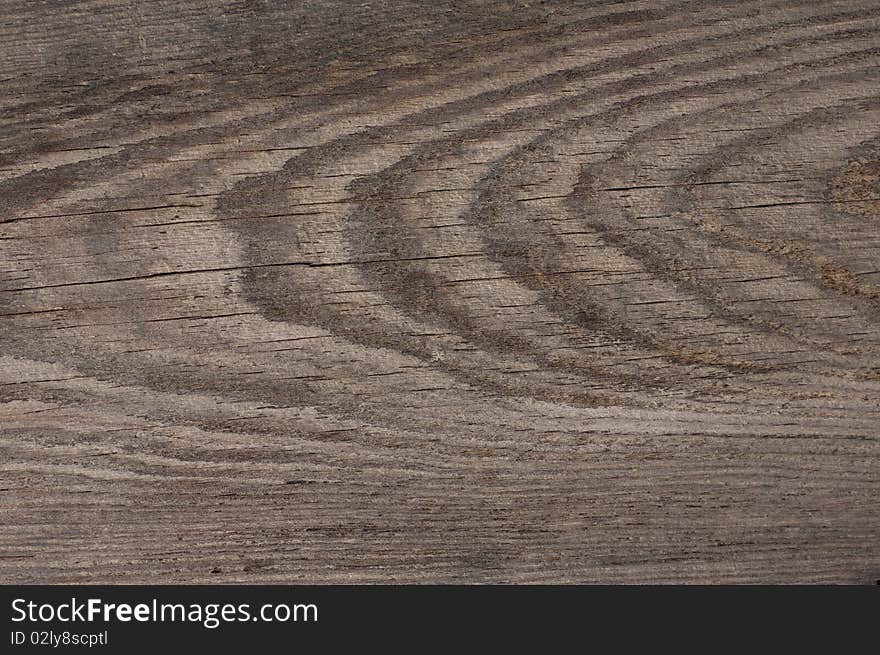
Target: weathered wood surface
column 439, row 291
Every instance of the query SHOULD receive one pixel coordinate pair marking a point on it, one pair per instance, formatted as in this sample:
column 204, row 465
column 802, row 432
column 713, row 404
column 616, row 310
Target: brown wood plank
column 470, row 291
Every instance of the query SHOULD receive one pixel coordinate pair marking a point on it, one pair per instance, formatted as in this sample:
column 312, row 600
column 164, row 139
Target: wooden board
column 456, row 291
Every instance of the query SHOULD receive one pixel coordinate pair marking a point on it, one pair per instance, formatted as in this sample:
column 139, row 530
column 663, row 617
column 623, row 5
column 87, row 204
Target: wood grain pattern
column 473, row 291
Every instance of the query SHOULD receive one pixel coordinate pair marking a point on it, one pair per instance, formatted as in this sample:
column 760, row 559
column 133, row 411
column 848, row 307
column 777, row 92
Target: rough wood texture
column 463, row 290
